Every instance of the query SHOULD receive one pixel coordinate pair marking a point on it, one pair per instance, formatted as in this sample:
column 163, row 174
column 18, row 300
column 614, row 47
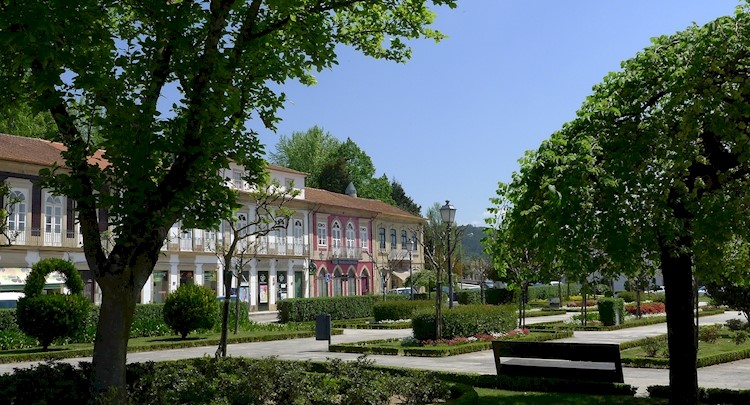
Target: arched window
column 53, row 221
column 17, row 217
column 298, row 238
column 322, row 283
column 336, row 235
column 364, row 282
column 281, row 235
column 350, row 238
column 337, row 283
column 351, row 282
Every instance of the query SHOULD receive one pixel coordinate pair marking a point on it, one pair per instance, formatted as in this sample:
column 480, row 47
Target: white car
column 402, row 290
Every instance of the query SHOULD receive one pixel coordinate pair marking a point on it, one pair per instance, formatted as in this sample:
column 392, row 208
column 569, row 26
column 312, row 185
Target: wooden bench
column 569, row 361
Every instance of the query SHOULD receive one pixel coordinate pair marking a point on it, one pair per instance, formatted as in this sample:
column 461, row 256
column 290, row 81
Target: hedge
column 498, row 296
column 707, row 395
column 398, row 309
column 306, row 309
column 543, row 292
column 465, row 320
column 611, row 311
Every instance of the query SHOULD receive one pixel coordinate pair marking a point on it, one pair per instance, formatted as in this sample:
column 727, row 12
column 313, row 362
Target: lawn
column 491, row 396
column 721, row 351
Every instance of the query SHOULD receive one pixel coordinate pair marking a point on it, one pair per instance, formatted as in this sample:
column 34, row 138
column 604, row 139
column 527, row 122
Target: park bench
column 569, row 361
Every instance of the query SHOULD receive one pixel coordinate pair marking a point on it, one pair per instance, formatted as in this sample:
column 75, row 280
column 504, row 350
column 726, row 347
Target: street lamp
column 410, row 248
column 448, row 214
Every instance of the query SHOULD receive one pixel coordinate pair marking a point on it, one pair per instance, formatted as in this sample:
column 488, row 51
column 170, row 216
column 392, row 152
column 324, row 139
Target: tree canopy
column 653, row 169
column 178, row 90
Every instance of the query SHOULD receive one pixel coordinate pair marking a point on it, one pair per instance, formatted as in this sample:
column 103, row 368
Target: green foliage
column 740, row 337
column 498, row 296
column 20, row 120
column 398, row 309
column 230, row 381
column 548, row 291
column 47, row 317
column 15, row 340
column 465, row 320
column 736, row 324
column 403, row 201
column 710, row 333
column 627, row 296
column 466, row 297
column 611, row 311
column 706, row 395
column 190, row 307
column 148, row 320
column 36, row 280
column 654, row 345
column 734, row 296
column 352, row 307
column 305, row 151
column 8, row 320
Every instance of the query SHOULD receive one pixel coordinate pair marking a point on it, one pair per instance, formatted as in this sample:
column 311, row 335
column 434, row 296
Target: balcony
column 37, row 238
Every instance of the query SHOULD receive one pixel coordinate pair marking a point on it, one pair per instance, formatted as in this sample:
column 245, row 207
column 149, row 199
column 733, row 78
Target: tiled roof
column 324, row 197
column 285, row 169
column 38, row 151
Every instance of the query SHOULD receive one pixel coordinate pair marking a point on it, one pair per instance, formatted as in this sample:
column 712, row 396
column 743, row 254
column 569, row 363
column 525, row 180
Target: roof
column 324, row 197
column 39, row 151
column 285, row 169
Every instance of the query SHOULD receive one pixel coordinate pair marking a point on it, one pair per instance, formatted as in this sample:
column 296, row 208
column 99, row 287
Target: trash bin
column 323, row 327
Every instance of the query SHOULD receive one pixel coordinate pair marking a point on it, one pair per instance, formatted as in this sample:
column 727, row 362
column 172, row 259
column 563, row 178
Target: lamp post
column 410, row 248
column 448, row 214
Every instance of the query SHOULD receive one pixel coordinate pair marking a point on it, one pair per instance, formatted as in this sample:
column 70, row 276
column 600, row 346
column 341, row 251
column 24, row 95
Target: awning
column 14, row 279
column 401, row 275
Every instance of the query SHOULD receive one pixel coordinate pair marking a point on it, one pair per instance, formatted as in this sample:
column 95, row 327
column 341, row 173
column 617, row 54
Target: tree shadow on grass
column 175, row 339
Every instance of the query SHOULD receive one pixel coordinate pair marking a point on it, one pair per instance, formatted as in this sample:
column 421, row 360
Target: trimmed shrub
column 47, row 317
column 627, row 296
column 611, row 311
column 710, row 333
column 498, row 296
column 466, row 297
column 395, row 310
column 465, row 320
column 351, row 307
column 736, row 324
column 190, row 307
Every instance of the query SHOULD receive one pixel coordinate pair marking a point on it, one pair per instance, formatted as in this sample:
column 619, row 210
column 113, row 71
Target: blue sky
column 455, row 119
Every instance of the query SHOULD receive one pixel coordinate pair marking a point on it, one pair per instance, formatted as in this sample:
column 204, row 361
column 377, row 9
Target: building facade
column 326, row 248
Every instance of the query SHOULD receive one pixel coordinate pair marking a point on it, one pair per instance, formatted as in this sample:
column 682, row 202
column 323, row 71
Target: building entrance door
column 262, row 291
column 299, row 284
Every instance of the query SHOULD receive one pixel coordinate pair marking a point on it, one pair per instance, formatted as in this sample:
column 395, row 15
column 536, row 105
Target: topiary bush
column 47, row 317
column 399, row 309
column 465, row 320
column 611, row 311
column 190, row 307
column 466, row 297
column 627, row 296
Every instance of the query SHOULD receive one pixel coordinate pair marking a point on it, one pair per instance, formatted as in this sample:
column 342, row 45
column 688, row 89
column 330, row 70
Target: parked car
column 403, row 290
column 702, row 290
column 445, row 290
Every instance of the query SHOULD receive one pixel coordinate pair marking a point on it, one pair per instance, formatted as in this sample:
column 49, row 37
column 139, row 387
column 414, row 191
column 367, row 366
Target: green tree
column 217, row 65
column 654, row 167
column 7, row 204
column 190, row 307
column 403, row 201
column 19, row 119
column 333, row 176
column 307, row 152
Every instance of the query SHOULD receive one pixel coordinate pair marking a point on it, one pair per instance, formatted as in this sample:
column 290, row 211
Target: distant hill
column 471, row 241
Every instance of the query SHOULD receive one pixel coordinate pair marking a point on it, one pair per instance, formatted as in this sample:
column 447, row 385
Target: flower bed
column 647, row 308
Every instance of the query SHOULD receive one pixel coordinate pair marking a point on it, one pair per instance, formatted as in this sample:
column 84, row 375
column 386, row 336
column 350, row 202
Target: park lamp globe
column 448, row 213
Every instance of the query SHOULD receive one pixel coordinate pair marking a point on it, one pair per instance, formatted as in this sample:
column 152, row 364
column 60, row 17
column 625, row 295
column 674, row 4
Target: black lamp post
column 410, row 248
column 448, row 214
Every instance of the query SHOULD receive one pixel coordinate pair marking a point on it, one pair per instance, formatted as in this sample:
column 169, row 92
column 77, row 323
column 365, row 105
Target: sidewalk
column 729, row 375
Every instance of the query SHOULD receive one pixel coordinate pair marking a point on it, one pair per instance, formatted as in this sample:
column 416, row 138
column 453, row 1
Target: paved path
column 729, row 375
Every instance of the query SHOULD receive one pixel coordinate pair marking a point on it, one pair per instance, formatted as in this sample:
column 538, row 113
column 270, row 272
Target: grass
column 721, row 346
column 492, row 396
column 722, row 351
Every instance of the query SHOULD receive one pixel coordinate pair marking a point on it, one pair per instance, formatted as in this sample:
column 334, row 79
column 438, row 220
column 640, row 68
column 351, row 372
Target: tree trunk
column 676, row 267
column 119, row 296
column 221, row 351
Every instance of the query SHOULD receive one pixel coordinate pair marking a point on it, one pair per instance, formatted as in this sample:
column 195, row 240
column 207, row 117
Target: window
column 351, row 283
column 17, row 217
column 53, row 221
column 381, row 238
column 403, row 240
column 322, row 234
column 393, row 239
column 363, row 237
column 350, row 236
column 281, row 234
column 336, row 235
column 297, row 232
column 237, row 180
